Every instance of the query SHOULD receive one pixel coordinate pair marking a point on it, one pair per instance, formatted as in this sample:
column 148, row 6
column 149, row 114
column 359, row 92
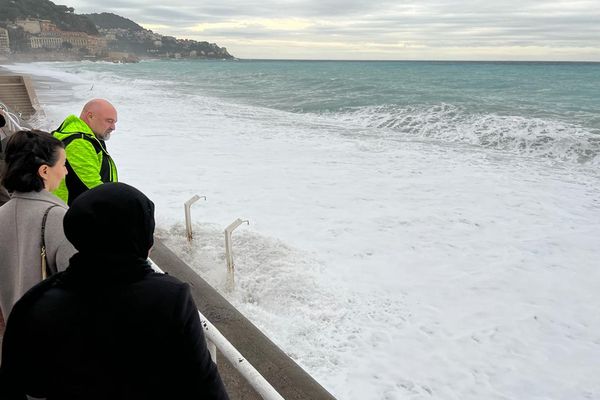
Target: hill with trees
column 121, row 34
column 113, row 21
column 127, row 36
column 62, row 16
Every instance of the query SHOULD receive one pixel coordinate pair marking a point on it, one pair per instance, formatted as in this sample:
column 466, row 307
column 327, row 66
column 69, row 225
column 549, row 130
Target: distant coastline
column 57, row 56
column 59, row 34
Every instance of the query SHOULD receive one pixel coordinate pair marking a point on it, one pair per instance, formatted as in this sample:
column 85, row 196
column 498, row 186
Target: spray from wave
column 524, row 135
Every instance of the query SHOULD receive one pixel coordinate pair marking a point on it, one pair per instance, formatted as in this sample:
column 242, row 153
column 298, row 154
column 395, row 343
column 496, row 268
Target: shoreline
column 4, row 70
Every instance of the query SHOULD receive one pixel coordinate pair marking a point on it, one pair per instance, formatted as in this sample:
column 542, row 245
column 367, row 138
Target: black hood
column 112, row 221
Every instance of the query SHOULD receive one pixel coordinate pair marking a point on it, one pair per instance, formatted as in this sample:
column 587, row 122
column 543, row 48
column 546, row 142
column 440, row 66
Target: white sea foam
column 523, row 135
column 389, row 269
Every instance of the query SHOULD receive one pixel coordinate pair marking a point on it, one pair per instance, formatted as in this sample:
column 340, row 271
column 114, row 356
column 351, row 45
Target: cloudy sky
column 375, row 29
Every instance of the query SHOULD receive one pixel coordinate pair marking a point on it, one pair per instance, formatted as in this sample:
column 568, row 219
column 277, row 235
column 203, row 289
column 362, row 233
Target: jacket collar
column 42, row 195
column 73, row 124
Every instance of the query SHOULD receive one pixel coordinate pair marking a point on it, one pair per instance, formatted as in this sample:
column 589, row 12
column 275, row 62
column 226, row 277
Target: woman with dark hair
column 33, row 217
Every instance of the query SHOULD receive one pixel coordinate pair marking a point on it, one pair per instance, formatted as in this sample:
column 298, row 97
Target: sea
column 416, row 230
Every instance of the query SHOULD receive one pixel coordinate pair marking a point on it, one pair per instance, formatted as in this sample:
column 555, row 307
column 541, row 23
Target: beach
column 416, row 231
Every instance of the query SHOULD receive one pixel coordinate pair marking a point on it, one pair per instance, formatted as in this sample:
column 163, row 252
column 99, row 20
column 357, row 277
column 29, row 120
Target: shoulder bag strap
column 43, row 254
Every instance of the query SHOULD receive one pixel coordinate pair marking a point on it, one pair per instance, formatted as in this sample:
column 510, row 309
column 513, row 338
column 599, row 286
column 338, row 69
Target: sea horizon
column 8, row 61
column 413, row 60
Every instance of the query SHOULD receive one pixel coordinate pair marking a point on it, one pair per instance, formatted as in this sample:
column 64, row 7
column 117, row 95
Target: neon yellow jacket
column 88, row 161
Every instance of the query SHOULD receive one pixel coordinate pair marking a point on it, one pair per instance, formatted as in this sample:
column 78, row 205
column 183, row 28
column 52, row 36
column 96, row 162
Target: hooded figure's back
column 108, row 327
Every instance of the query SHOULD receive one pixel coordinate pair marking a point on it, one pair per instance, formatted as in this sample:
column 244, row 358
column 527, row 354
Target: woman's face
column 52, row 175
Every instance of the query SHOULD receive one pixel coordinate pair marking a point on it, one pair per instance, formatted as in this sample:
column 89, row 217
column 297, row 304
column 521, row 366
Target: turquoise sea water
column 566, row 91
column 547, row 109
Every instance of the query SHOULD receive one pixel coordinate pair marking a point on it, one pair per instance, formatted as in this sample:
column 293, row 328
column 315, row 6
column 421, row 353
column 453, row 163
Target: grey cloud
column 433, row 23
column 114, row 6
column 187, row 9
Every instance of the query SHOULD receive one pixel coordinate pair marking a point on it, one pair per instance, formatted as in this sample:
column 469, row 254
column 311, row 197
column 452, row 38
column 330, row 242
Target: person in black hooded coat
column 108, row 327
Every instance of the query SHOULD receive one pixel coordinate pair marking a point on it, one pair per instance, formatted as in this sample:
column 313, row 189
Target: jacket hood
column 113, row 221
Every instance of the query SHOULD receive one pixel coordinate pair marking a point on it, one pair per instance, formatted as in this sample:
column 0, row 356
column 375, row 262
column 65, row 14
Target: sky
column 552, row 30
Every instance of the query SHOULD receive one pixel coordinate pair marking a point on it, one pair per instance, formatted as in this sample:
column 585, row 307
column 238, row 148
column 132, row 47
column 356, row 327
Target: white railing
column 12, row 120
column 228, row 231
column 229, row 253
column 215, row 339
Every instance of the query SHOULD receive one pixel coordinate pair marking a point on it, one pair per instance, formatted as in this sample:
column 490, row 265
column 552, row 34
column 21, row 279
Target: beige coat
column 20, row 243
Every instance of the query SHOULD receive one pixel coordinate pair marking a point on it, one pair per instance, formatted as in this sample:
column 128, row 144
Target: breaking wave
column 525, row 135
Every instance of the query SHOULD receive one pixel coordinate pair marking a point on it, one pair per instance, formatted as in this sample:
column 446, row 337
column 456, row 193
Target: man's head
column 100, row 116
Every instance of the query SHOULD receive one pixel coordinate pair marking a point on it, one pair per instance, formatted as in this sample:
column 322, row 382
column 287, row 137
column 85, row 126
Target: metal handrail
column 228, row 252
column 12, row 120
column 214, row 338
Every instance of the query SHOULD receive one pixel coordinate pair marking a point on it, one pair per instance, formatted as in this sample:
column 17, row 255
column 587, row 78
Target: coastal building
column 70, row 40
column 97, row 45
column 29, row 25
column 78, row 40
column 45, row 42
column 44, row 34
column 4, row 42
column 48, row 26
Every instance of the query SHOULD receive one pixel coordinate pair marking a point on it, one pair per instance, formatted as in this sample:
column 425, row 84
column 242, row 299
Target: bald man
column 88, row 161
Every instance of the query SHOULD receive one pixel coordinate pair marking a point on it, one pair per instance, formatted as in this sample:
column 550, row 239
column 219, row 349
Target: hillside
column 113, row 21
column 62, row 16
column 119, row 34
column 127, row 36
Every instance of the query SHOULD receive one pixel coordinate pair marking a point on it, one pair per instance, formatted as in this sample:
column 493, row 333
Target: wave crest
column 531, row 136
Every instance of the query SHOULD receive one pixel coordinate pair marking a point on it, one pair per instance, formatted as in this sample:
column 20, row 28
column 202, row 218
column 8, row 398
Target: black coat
column 107, row 328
